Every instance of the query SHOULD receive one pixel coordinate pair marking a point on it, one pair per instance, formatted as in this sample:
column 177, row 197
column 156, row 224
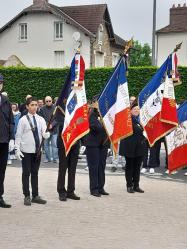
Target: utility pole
column 154, row 35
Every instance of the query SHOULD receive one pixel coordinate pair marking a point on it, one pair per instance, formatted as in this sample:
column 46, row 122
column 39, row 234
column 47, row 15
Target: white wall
column 38, row 50
column 166, row 44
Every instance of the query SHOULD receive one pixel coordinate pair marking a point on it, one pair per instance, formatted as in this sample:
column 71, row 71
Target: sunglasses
column 48, row 101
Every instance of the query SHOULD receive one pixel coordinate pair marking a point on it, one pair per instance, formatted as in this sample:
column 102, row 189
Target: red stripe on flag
column 82, row 69
column 156, row 129
column 78, row 126
column 177, row 158
column 122, row 125
column 169, row 110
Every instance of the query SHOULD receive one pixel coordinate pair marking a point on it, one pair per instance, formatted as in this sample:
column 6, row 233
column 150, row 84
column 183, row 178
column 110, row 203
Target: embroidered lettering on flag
column 158, row 112
column 177, row 141
column 76, row 123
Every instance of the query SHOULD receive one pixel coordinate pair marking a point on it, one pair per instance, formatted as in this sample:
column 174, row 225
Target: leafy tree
column 140, row 55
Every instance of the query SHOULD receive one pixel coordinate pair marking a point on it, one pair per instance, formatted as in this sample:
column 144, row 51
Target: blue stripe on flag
column 108, row 97
column 73, row 70
column 153, row 84
column 182, row 113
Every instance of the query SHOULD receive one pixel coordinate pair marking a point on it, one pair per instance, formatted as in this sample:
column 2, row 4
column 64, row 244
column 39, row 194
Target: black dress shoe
column 103, row 192
column 139, row 190
column 96, row 194
column 130, row 190
column 38, row 200
column 3, row 204
column 62, row 197
column 73, row 196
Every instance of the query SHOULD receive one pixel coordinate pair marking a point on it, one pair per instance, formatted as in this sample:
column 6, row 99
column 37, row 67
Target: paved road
column 156, row 219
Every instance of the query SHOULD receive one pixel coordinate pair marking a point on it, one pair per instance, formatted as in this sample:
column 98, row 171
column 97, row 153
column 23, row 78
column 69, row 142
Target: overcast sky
column 129, row 17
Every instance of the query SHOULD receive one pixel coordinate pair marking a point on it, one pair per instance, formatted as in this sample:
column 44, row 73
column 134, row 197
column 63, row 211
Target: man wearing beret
column 6, row 138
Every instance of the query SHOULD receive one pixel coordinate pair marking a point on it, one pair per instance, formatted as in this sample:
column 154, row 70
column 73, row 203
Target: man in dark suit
column 6, row 138
column 68, row 162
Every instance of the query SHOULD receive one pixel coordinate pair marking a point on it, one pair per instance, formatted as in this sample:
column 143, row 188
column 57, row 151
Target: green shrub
column 41, row 82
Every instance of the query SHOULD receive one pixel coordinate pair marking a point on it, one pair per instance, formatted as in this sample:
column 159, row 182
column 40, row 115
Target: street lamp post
column 154, row 35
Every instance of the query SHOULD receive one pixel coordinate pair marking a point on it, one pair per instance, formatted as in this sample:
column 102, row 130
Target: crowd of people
column 24, row 128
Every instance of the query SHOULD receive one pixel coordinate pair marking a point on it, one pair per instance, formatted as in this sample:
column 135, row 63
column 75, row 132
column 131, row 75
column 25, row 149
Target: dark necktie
column 36, row 135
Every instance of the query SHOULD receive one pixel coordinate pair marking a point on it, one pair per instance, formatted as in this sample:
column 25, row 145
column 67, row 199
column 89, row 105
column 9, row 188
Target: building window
column 99, row 59
column 100, row 35
column 115, row 58
column 23, row 31
column 59, row 59
column 58, row 30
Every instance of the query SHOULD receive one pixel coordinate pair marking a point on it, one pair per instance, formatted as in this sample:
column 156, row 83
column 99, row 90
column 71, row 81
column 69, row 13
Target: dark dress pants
column 30, row 166
column 154, row 158
column 70, row 163
column 132, row 171
column 3, row 164
column 145, row 157
column 96, row 159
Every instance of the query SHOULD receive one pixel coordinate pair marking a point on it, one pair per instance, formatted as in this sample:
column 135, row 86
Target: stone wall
column 106, row 49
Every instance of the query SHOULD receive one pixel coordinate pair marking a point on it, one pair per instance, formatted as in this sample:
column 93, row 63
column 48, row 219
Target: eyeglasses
column 48, row 101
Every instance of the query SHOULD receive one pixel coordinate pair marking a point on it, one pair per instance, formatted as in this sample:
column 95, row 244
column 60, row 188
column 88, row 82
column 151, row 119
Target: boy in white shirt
column 31, row 128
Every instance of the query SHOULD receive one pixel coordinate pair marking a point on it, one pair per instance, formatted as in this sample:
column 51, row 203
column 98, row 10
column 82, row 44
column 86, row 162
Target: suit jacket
column 6, row 121
column 97, row 135
column 134, row 145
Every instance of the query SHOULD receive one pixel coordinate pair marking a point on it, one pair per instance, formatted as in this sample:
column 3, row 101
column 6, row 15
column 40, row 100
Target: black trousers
column 96, row 159
column 30, row 166
column 70, row 163
column 145, row 157
column 132, row 171
column 154, row 158
column 3, row 164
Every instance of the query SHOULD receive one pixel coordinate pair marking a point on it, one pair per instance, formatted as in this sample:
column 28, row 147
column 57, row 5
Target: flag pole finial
column 128, row 46
column 178, row 46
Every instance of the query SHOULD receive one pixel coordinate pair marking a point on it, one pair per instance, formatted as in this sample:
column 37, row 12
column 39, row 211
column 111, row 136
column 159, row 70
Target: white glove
column 46, row 135
column 19, row 155
column 11, row 145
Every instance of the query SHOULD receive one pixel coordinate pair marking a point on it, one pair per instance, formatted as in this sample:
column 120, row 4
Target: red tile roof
column 85, row 17
column 89, row 16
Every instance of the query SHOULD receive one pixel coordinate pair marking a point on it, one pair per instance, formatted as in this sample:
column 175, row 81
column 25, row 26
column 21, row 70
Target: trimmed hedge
column 41, row 82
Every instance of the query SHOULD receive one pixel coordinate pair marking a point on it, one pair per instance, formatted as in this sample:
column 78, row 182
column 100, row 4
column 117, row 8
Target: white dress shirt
column 24, row 136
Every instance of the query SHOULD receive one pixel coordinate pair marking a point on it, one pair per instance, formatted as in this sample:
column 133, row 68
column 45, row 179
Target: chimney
column 38, row 2
column 178, row 15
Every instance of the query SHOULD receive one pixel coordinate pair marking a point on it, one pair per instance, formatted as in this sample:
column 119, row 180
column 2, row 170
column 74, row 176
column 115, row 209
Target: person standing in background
column 50, row 144
column 17, row 115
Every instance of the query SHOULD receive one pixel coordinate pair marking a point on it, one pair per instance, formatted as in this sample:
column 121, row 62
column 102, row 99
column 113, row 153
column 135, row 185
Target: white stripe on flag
column 177, row 138
column 81, row 100
column 122, row 102
column 152, row 106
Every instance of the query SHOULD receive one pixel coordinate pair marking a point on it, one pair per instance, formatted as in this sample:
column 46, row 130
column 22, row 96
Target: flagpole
column 53, row 114
column 154, row 35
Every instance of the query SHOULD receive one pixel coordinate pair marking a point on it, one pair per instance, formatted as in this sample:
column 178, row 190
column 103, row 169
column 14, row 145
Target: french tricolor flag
column 158, row 112
column 76, row 123
column 114, row 105
column 177, row 141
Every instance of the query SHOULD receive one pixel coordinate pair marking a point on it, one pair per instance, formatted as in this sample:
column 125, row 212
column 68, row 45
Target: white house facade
column 173, row 34
column 42, row 36
column 36, row 42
